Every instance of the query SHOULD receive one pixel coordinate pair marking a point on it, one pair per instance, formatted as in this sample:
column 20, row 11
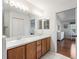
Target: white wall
column 53, row 28
column 60, row 24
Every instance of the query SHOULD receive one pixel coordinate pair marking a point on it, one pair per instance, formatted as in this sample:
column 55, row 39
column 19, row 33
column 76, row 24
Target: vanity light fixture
column 12, row 3
column 17, row 4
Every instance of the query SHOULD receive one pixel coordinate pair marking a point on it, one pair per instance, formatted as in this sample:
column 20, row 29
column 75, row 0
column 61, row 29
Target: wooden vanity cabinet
column 44, row 46
column 48, row 43
column 16, row 53
column 39, row 49
column 31, row 51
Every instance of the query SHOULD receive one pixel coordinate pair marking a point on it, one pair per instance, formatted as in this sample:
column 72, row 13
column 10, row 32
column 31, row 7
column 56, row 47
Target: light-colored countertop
column 24, row 40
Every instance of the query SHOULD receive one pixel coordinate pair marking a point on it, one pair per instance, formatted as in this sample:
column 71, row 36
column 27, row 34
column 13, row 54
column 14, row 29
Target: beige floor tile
column 51, row 55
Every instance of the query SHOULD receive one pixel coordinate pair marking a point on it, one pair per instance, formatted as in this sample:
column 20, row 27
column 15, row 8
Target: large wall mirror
column 18, row 23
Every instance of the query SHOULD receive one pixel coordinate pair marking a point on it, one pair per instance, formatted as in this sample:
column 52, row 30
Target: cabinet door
column 16, row 53
column 48, row 43
column 38, row 49
column 43, row 46
column 31, row 51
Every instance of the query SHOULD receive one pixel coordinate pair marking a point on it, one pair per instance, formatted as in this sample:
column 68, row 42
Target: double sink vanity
column 28, row 48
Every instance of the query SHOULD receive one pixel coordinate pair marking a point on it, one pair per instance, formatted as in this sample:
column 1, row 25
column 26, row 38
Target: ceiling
column 67, row 15
column 49, row 5
column 58, row 5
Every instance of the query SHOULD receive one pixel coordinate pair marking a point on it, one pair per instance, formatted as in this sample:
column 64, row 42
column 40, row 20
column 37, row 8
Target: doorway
column 67, row 31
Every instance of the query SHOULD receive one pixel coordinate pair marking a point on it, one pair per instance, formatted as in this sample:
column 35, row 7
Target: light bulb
column 12, row 3
column 19, row 5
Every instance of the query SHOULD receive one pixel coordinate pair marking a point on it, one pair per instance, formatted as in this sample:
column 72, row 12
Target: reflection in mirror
column 17, row 23
column 46, row 24
column 67, row 21
column 40, row 24
column 58, row 27
column 6, row 19
column 32, row 26
column 17, row 27
column 20, row 20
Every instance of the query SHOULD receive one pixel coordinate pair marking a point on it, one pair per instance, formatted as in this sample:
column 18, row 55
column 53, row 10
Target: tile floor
column 51, row 55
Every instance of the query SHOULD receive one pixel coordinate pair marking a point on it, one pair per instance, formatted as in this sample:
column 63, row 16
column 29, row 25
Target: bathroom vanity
column 25, row 32
column 34, row 49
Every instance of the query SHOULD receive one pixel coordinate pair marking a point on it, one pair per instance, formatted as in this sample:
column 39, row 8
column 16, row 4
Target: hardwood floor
column 63, row 47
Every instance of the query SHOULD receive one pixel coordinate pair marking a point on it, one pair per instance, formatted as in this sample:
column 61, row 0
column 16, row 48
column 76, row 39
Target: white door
column 17, row 27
